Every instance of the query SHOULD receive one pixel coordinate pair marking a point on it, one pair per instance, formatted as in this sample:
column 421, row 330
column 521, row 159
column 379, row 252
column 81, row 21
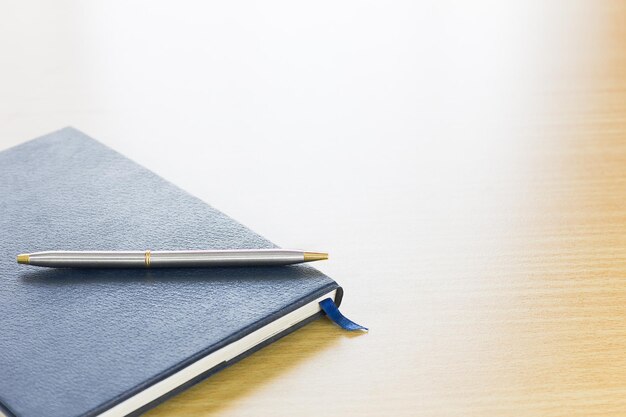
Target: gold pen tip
column 315, row 256
column 23, row 259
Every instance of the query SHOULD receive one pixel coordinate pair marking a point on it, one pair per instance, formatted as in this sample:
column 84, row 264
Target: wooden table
column 464, row 164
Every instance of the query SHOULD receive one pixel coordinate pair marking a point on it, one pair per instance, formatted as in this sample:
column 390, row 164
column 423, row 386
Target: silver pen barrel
column 168, row 259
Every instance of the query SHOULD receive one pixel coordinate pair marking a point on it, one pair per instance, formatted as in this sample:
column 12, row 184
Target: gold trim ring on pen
column 147, row 258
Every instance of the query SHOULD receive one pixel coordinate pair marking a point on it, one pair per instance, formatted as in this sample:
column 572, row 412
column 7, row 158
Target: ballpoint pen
column 168, row 259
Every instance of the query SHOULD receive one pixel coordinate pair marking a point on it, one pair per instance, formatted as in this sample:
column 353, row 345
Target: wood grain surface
column 463, row 163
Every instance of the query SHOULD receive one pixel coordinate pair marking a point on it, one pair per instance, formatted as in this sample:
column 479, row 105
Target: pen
column 168, row 259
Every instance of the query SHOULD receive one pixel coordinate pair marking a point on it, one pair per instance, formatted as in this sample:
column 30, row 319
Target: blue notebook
column 117, row 342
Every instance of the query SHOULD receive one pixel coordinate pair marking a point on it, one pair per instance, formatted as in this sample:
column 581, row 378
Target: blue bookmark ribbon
column 333, row 313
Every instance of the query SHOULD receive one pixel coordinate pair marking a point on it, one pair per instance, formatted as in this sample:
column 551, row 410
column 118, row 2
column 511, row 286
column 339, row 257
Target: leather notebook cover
column 77, row 342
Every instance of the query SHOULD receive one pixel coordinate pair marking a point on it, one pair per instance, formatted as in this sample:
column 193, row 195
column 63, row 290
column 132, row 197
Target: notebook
column 117, row 342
